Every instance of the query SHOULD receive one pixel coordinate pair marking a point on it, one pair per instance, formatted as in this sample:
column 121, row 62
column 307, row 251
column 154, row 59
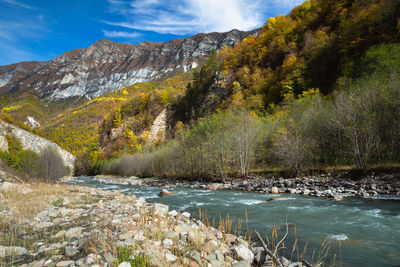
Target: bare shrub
column 51, row 165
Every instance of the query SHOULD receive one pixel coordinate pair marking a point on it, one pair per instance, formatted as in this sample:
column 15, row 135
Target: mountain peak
column 108, row 66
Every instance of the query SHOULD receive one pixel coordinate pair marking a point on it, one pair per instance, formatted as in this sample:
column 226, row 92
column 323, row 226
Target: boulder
column 243, row 253
column 274, row 190
column 164, row 193
column 124, row 264
column 159, row 209
column 214, row 186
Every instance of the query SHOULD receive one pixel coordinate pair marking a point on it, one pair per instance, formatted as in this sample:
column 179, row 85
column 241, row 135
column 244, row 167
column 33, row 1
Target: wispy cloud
column 17, row 4
column 190, row 16
column 121, row 34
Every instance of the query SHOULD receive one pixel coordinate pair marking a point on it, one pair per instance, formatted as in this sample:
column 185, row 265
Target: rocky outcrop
column 33, row 142
column 157, row 131
column 108, row 66
column 31, row 122
column 82, row 226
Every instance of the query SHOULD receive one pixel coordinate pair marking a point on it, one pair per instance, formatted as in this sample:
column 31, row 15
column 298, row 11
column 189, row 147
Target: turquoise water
column 369, row 230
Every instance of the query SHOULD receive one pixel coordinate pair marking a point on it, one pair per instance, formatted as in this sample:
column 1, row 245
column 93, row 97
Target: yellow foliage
column 311, row 92
column 145, row 136
column 117, row 117
column 179, row 128
column 11, row 108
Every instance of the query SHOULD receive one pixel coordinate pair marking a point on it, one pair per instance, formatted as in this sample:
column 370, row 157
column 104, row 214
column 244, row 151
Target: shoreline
column 382, row 187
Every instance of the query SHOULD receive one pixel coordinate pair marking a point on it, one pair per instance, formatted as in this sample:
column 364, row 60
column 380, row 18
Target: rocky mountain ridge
column 108, row 66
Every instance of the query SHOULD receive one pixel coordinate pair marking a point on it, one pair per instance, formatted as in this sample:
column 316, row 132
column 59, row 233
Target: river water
column 358, row 232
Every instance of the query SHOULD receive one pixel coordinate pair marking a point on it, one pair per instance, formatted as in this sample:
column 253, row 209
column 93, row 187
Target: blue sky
column 43, row 29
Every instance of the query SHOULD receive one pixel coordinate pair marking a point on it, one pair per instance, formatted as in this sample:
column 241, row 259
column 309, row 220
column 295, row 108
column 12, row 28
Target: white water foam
column 299, row 208
column 110, row 187
column 375, row 213
column 339, row 237
column 250, row 202
column 285, row 198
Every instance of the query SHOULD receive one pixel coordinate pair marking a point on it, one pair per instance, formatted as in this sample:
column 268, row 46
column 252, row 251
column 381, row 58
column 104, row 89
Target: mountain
column 108, row 66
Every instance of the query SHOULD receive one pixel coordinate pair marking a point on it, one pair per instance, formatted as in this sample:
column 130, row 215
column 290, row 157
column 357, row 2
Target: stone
column 2, row 252
column 70, row 251
column 338, row 198
column 92, row 259
column 285, row 262
column 173, row 213
column 164, row 193
column 169, row 257
column 167, row 243
column 210, row 246
column 274, row 190
column 230, row 239
column 73, row 232
column 196, row 237
column 127, row 235
column 365, row 194
column 243, row 253
column 43, row 225
column 124, row 264
column 159, row 209
column 65, row 264
column 244, row 263
column 12, row 251
column 186, row 215
column 195, row 255
column 60, row 234
column 214, row 186
column 260, row 256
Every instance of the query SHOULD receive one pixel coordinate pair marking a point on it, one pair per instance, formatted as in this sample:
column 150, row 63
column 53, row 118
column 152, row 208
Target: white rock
column 35, row 142
column 65, row 264
column 173, row 213
column 159, row 209
column 186, row 215
column 124, row 264
column 167, row 243
column 169, row 257
column 243, row 253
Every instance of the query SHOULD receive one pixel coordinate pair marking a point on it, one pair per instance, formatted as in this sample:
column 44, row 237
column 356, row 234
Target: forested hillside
column 312, row 90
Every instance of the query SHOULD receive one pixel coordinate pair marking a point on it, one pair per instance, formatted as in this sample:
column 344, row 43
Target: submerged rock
column 164, row 193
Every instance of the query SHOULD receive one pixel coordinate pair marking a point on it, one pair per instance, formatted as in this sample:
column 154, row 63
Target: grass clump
column 126, row 255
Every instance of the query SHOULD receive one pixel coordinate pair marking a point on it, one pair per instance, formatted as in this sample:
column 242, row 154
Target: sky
column 42, row 29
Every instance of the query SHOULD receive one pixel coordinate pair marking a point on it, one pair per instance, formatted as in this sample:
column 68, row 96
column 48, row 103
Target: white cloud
column 191, row 16
column 17, row 4
column 121, row 34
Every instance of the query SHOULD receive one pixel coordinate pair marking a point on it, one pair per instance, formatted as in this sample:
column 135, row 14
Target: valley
column 230, row 131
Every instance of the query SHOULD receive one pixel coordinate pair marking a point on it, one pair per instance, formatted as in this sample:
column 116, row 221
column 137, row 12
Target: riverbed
column 359, row 232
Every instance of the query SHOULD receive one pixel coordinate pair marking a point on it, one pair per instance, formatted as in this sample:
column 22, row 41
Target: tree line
column 358, row 125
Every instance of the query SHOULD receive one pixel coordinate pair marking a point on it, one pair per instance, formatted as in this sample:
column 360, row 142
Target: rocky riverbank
column 62, row 225
column 386, row 186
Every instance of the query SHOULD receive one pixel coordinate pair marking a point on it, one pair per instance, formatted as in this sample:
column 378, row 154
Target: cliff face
column 33, row 142
column 107, row 66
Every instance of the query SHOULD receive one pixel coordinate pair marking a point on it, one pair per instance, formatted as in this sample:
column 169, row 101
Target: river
column 359, row 232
